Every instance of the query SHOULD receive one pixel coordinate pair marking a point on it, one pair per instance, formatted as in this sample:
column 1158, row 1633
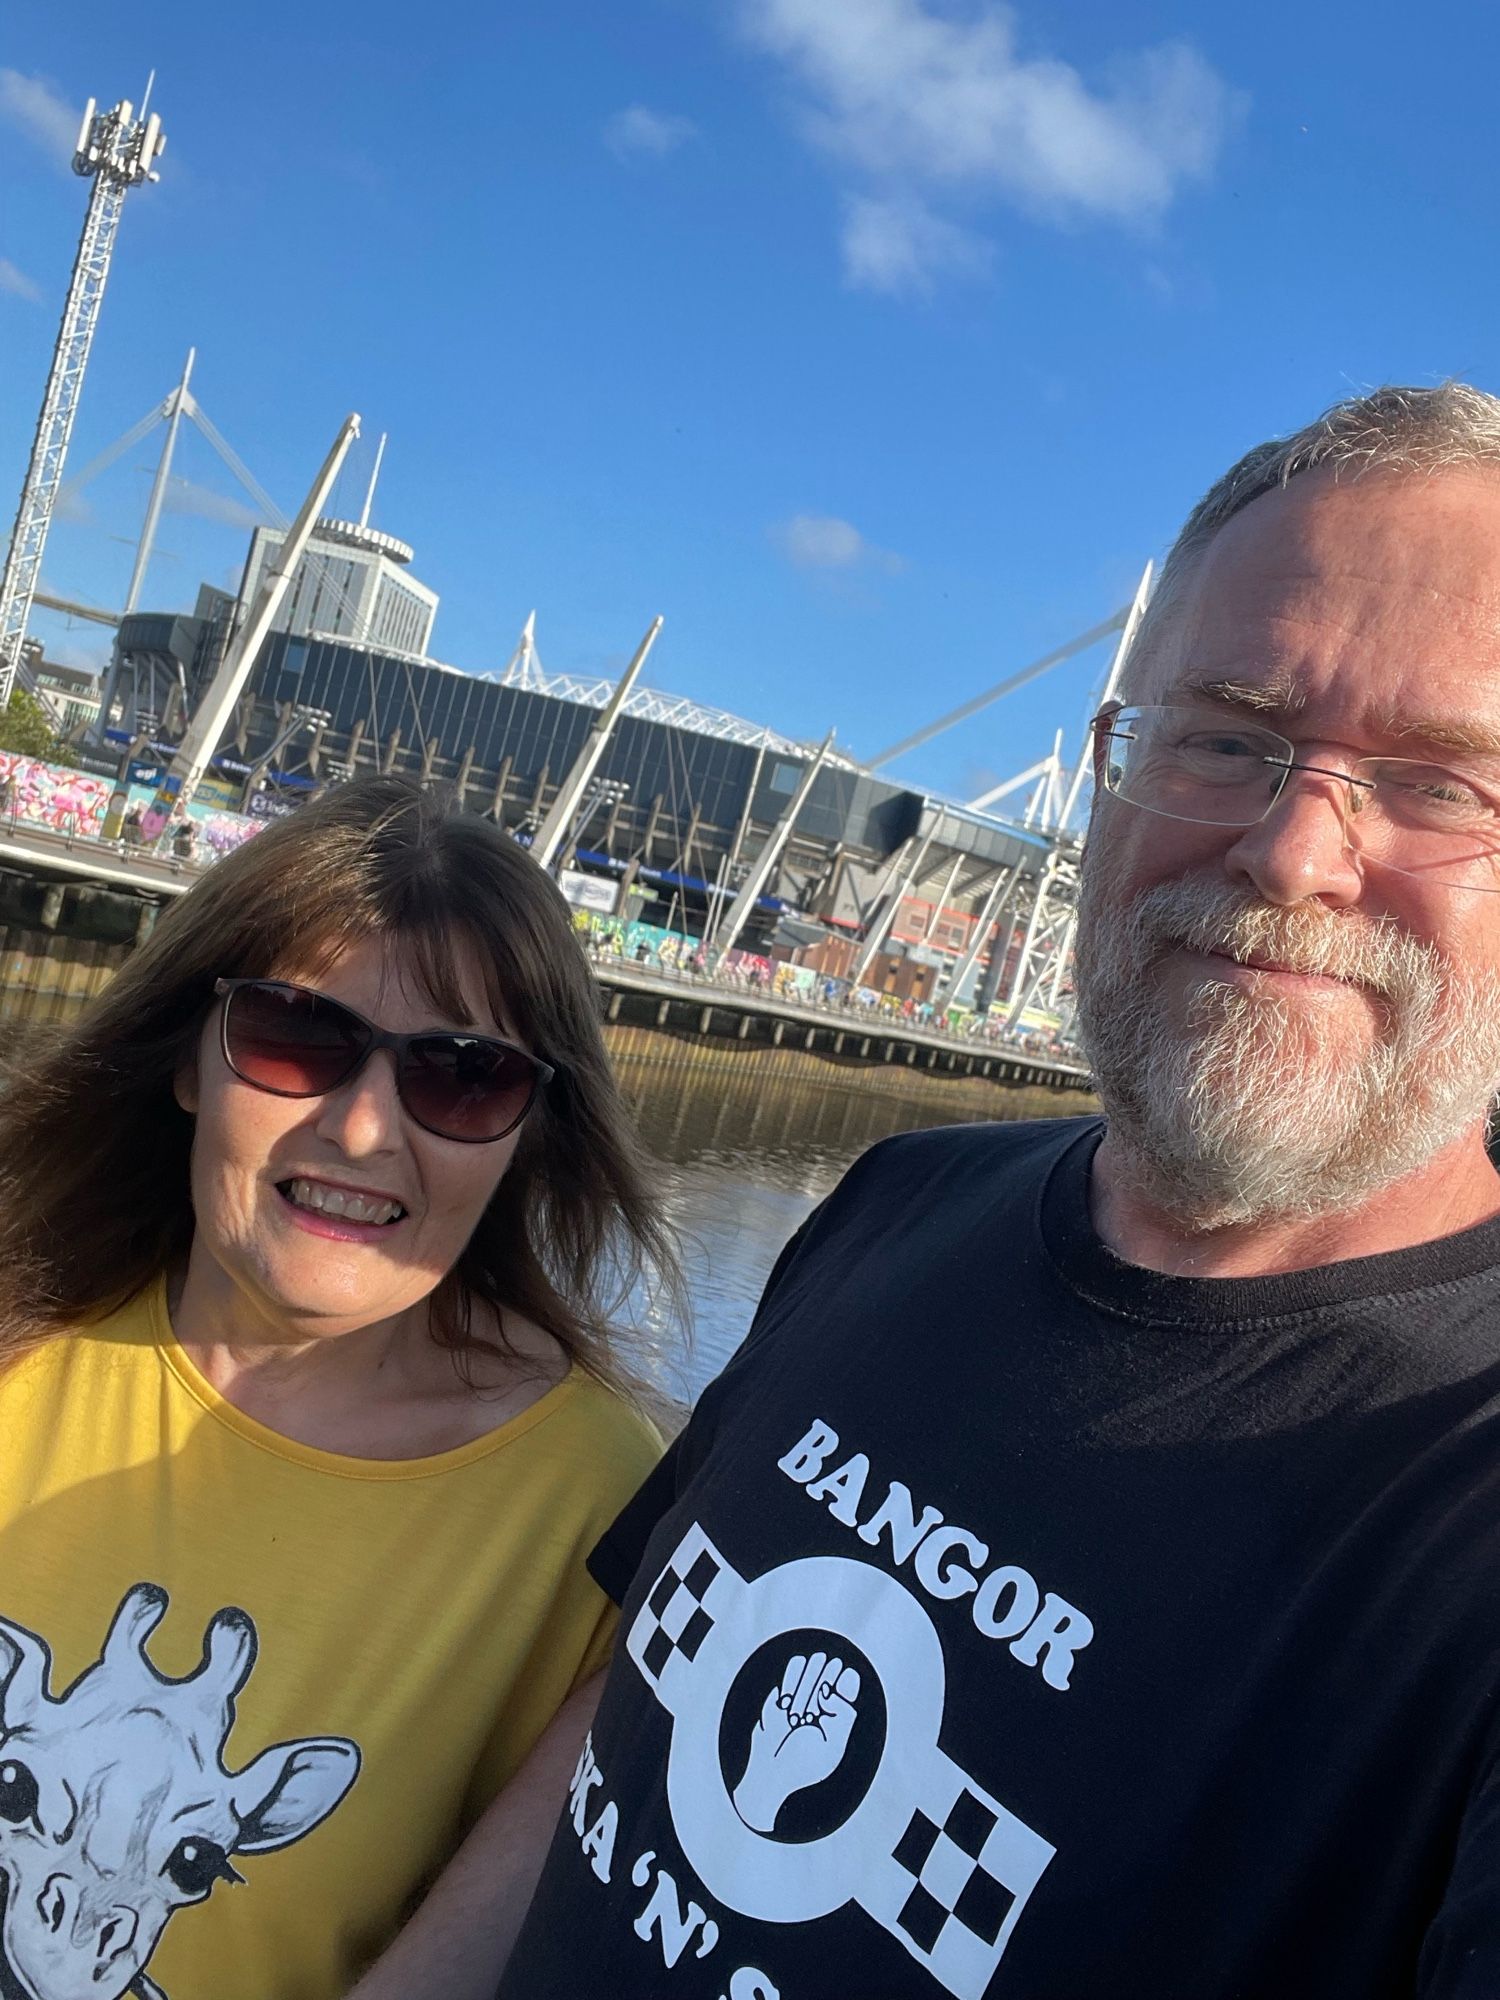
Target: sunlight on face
column 1275, row 1028
column 260, row 1160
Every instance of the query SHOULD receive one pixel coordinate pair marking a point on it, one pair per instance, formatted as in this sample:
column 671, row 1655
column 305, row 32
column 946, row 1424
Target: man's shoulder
column 934, row 1183
column 919, row 1198
column 1013, row 1149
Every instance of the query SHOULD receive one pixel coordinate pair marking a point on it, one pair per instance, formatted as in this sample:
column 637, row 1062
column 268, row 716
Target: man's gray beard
column 1260, row 1109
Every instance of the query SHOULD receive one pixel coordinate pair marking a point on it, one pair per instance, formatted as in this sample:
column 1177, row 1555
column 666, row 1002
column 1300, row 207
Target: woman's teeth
column 342, row 1202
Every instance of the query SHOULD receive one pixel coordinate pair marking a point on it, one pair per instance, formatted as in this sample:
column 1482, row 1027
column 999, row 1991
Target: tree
column 26, row 730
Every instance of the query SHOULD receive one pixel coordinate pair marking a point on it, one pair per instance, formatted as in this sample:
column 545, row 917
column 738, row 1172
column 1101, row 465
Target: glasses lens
column 286, row 1039
column 1191, row 764
column 1424, row 820
column 463, row 1087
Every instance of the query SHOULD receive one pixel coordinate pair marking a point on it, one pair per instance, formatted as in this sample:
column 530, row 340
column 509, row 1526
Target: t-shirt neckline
column 312, row 1457
column 1089, row 1268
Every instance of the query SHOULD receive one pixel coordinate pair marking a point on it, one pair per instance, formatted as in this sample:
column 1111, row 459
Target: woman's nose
column 364, row 1115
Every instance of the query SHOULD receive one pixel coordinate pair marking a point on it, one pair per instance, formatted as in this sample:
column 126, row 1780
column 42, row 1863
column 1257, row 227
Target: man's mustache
column 1365, row 951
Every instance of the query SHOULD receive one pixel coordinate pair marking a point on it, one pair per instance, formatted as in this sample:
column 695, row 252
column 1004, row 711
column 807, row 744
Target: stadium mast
column 118, row 150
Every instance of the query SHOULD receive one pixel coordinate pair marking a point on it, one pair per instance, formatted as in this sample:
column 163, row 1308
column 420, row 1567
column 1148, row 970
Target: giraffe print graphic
column 117, row 1808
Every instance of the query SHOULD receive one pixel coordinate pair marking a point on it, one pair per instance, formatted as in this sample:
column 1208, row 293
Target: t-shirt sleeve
column 1461, row 1954
column 601, row 1645
column 617, row 1554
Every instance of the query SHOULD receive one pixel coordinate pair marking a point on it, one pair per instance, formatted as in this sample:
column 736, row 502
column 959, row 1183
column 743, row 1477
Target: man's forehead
column 1371, row 591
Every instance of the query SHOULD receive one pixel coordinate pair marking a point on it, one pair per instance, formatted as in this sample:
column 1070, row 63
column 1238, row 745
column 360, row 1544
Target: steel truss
column 525, row 671
column 119, row 152
column 1043, row 968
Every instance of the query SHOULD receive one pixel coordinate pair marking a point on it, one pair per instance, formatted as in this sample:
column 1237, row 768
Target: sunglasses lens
column 290, row 1041
column 462, row 1088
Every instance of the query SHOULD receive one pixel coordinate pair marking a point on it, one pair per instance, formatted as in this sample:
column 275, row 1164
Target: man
column 1082, row 1582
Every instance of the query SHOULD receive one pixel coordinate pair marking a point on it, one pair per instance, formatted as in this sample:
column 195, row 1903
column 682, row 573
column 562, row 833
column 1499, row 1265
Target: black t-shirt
column 1012, row 1621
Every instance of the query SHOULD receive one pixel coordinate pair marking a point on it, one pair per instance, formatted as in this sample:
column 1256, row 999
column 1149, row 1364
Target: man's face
column 1357, row 619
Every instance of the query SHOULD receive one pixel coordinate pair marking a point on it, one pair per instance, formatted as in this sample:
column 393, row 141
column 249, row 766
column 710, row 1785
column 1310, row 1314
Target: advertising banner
column 589, row 892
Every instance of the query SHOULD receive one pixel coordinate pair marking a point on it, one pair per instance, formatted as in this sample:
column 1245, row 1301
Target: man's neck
column 1456, row 1190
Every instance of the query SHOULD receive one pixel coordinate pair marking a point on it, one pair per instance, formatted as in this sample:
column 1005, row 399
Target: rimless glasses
column 1417, row 818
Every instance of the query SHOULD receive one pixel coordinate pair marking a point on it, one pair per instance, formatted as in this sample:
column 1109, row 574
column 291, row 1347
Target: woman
column 310, row 1234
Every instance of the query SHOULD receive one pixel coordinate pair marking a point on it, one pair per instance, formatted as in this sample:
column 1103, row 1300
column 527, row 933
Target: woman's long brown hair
column 94, row 1149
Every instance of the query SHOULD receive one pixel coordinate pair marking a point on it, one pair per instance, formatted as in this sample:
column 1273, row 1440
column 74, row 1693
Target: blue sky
column 876, row 343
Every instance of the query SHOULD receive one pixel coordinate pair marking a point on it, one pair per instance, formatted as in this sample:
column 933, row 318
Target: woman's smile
column 333, row 1209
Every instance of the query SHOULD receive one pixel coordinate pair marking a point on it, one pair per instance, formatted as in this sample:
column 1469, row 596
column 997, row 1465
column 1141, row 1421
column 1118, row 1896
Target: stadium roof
column 651, row 705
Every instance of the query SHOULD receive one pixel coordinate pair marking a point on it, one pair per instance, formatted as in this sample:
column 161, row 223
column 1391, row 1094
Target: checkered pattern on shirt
column 955, row 1901
column 673, row 1621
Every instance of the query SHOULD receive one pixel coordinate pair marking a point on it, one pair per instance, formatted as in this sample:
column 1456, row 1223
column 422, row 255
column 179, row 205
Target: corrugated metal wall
column 48, row 978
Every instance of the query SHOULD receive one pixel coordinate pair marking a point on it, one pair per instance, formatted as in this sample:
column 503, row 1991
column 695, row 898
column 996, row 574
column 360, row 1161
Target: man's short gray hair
column 1452, row 427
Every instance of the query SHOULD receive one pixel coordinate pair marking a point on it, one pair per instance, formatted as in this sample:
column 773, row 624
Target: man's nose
column 1300, row 851
column 363, row 1116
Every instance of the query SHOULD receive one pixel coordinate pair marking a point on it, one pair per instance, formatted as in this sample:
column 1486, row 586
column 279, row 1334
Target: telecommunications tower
column 117, row 150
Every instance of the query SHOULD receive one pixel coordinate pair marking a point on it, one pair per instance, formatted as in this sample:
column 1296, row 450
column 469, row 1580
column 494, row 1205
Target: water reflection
column 749, row 1142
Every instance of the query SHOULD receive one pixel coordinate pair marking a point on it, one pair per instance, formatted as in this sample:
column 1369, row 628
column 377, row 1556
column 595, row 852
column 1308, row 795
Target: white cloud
column 638, row 132
column 15, row 281
column 921, row 105
column 202, row 503
column 897, row 245
column 32, row 106
column 823, row 541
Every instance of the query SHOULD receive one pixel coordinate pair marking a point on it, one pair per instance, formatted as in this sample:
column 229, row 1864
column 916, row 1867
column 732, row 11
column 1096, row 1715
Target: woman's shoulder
column 106, row 1342
column 628, row 1421
column 628, row 1418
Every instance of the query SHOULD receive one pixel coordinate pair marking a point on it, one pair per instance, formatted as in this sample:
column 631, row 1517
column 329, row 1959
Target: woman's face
column 261, row 1164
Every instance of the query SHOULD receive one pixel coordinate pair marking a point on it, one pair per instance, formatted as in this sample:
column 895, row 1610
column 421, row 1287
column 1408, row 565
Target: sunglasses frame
column 380, row 1038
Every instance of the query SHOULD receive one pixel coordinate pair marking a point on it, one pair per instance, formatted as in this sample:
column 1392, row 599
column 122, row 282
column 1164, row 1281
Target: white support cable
column 1002, row 688
column 321, row 567
column 216, row 705
column 1039, row 794
column 1052, row 811
column 275, row 517
column 998, row 792
column 760, row 874
column 886, row 907
column 70, row 489
column 1131, row 626
column 236, row 464
column 147, row 542
column 200, row 418
column 1005, row 885
column 552, row 833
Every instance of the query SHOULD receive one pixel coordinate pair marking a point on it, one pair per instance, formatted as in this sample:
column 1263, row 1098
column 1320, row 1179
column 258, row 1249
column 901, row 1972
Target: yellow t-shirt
column 223, row 1654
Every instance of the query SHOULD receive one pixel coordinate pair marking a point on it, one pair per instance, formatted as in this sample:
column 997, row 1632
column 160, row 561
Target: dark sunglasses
column 294, row 1042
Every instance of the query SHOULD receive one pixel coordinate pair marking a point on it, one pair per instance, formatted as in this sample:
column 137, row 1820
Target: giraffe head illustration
column 116, row 1806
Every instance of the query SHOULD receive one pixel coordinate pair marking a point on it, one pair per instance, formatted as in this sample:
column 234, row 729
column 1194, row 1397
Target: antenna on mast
column 364, row 519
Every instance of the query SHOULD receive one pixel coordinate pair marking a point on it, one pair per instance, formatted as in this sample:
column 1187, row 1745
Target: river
column 748, row 1142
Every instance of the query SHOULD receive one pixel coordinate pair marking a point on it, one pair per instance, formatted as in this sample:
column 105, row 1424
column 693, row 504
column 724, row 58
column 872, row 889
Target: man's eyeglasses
column 1198, row 765
column 294, row 1042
